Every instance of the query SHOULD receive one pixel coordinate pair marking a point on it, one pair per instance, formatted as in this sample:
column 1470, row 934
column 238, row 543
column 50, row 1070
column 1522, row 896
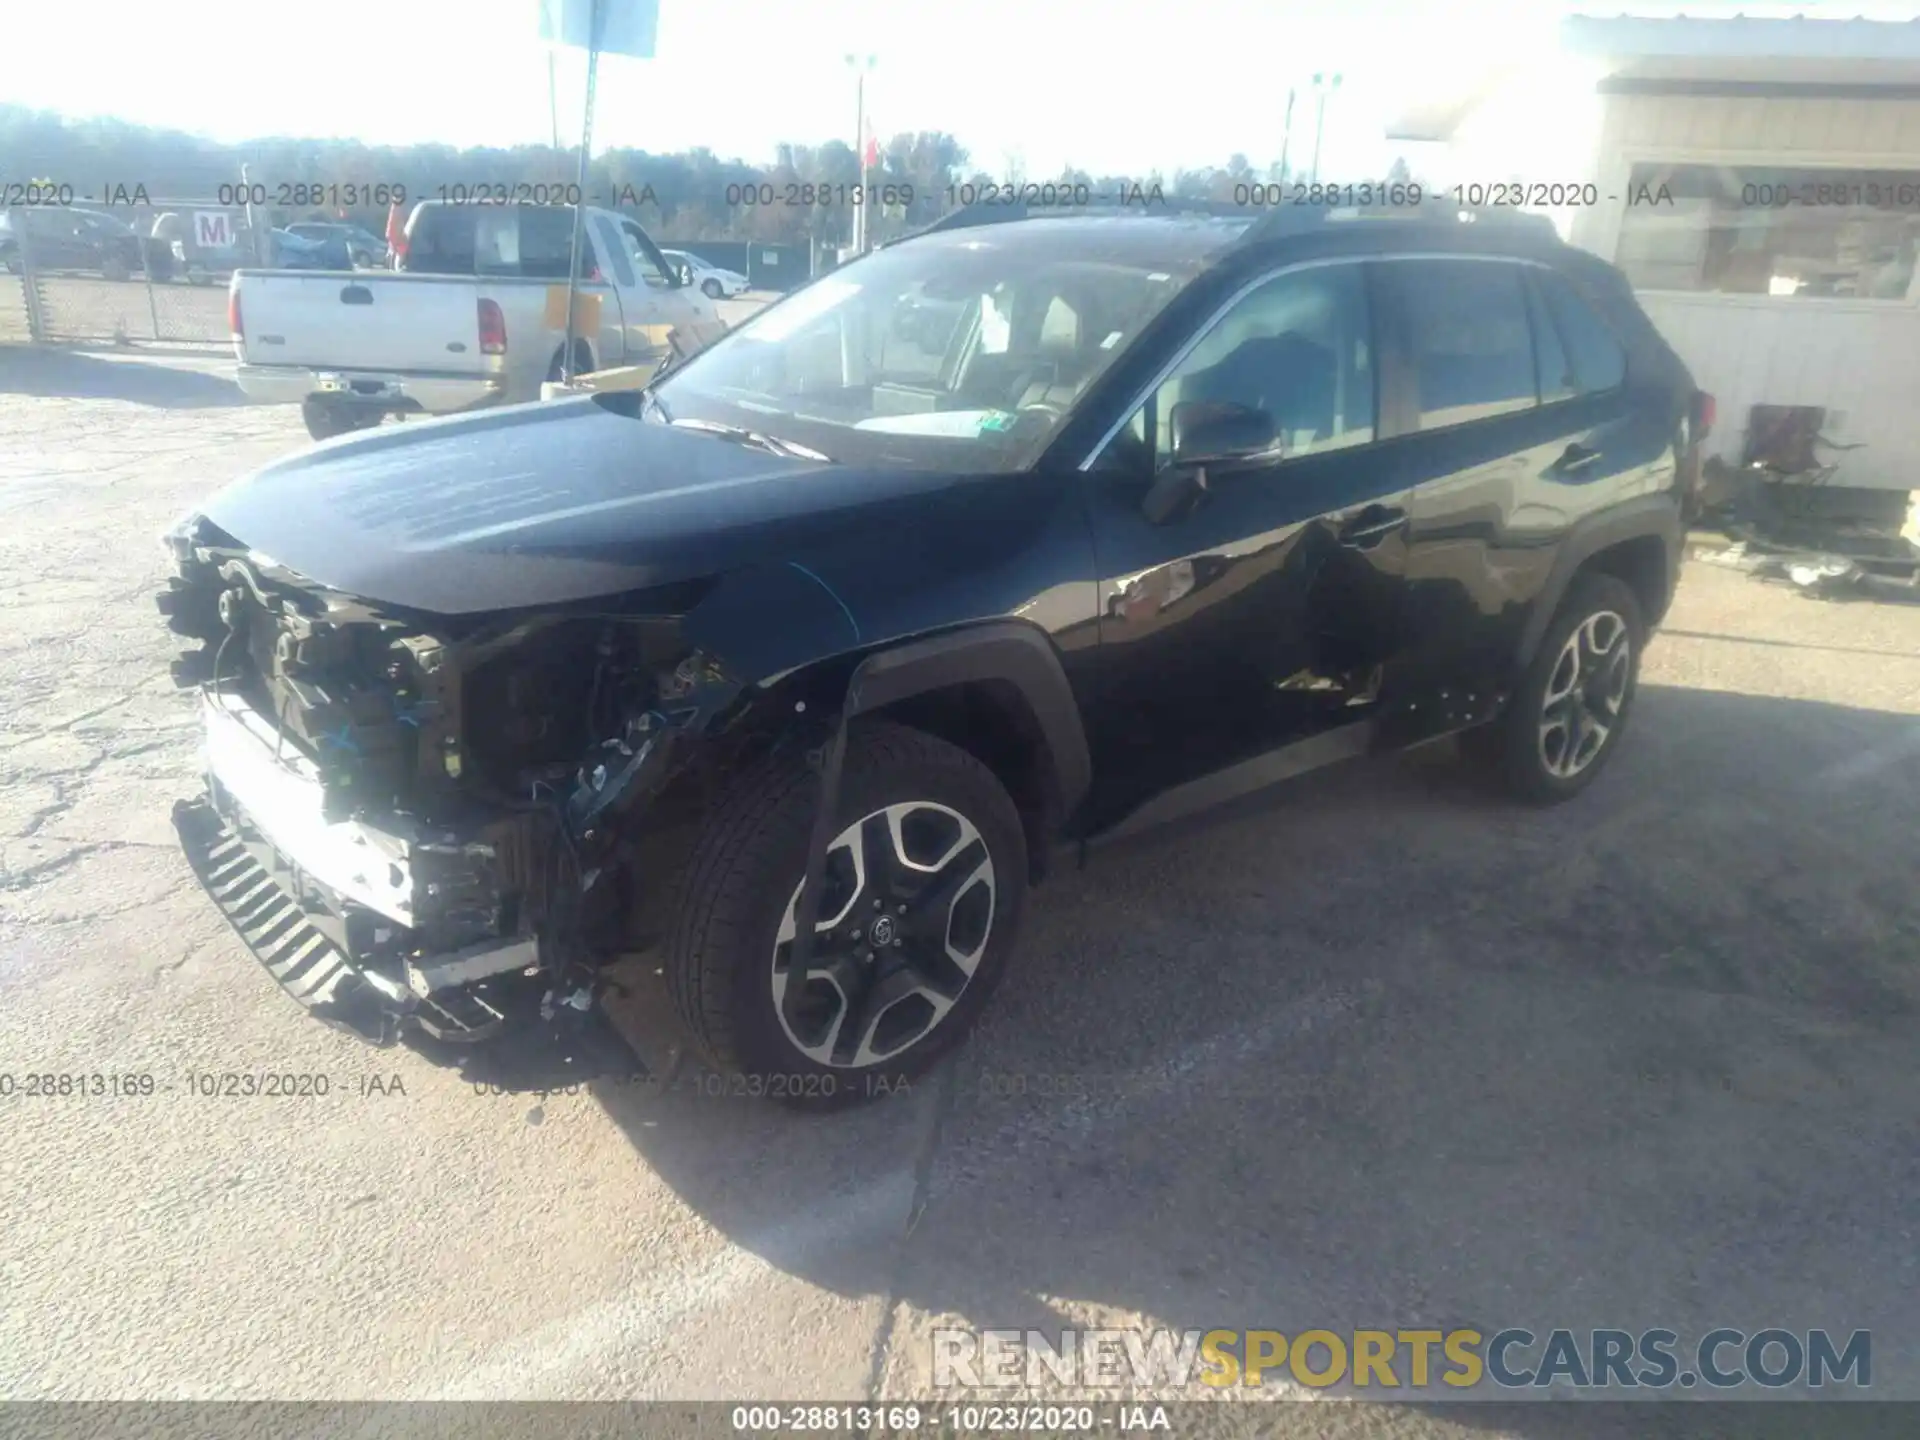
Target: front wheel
column 1568, row 712
column 924, row 880
column 712, row 289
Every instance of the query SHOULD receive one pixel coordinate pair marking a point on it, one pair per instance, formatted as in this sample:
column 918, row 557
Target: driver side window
column 1296, row 352
column 642, row 256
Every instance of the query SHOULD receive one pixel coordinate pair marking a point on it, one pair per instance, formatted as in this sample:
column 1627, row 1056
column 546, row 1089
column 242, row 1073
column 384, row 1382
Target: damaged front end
column 416, row 823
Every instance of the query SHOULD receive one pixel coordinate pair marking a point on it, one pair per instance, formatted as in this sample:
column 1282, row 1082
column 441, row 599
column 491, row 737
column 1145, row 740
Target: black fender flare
column 1655, row 515
column 1005, row 650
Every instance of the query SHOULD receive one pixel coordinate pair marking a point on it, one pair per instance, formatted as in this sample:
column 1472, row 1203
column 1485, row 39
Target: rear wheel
column 114, row 268
column 1570, row 707
column 582, row 362
column 925, row 876
column 328, row 418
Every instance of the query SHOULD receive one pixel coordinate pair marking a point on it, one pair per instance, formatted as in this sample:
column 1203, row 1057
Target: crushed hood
column 542, row 504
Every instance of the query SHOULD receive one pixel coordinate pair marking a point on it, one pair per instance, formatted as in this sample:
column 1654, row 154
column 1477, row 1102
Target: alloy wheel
column 1586, row 691
column 906, row 911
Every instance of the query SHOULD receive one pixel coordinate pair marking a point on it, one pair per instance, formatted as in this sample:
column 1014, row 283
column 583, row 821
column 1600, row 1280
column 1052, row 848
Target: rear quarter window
column 1595, row 359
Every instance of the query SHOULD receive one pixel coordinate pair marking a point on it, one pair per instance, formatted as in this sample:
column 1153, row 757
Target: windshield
column 936, row 356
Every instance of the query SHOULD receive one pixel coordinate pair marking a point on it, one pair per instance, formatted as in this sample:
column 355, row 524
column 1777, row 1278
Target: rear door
column 1503, row 447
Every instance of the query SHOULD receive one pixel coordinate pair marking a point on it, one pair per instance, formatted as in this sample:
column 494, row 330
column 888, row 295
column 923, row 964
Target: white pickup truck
column 475, row 315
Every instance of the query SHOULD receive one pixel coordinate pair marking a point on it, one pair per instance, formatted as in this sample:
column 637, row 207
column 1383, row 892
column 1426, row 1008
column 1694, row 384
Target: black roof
column 1198, row 231
column 1138, row 236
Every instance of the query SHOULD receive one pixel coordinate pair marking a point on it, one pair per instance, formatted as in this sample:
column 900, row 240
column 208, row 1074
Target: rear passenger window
column 546, row 243
column 1471, row 346
column 1595, row 361
column 440, row 241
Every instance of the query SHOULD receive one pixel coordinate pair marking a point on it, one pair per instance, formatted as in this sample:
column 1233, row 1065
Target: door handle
column 1575, row 457
column 1371, row 526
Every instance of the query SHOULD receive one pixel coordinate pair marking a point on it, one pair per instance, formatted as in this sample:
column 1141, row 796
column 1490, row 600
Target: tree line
column 805, row 195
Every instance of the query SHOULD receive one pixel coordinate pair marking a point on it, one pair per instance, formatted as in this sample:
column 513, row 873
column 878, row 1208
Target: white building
column 1758, row 180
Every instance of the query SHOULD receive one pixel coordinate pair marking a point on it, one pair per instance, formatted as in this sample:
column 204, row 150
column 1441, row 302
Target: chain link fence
column 15, row 323
column 152, row 274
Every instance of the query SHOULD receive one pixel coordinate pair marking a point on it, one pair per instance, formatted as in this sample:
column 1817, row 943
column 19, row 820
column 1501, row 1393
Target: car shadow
column 75, row 375
column 1390, row 1053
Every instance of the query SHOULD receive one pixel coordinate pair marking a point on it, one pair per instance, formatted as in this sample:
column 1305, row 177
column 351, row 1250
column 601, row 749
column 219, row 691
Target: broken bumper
column 337, row 912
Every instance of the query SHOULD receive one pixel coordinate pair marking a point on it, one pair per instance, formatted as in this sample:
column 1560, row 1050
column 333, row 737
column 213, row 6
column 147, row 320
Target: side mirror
column 1202, row 432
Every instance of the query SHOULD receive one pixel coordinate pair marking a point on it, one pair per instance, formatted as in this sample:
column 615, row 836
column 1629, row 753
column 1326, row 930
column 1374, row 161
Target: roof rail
column 1435, row 210
column 989, row 212
column 1262, row 223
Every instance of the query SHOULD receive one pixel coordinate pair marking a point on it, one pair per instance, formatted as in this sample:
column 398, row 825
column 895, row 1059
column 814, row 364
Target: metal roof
column 1743, row 36
column 1857, row 54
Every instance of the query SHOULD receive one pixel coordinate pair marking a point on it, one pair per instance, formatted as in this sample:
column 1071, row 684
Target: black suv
column 796, row 667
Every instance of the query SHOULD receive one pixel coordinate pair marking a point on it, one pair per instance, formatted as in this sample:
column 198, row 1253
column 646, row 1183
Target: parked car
column 715, row 282
column 796, row 668
column 69, row 238
column 364, row 250
column 297, row 252
column 474, row 316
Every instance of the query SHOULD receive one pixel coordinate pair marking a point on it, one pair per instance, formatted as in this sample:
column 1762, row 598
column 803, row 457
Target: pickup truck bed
column 353, row 346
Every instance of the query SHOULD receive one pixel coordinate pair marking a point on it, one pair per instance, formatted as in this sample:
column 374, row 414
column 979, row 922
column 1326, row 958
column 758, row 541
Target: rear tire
column 1572, row 703
column 328, row 418
column 115, row 269
column 917, row 950
column 582, row 362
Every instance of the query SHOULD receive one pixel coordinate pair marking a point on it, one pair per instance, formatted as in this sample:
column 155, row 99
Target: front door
column 1262, row 611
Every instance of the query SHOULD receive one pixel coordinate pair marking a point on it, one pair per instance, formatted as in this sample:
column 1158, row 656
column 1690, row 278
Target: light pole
column 1286, row 136
column 860, row 65
column 260, row 256
column 1322, row 87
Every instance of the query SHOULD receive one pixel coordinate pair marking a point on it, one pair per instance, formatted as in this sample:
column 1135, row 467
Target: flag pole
column 860, row 139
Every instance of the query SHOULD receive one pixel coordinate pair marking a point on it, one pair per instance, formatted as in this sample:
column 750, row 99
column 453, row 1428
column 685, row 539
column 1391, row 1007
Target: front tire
column 925, row 878
column 712, row 289
column 1571, row 706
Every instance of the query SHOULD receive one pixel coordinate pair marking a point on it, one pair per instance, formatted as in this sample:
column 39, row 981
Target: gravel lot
column 1382, row 1052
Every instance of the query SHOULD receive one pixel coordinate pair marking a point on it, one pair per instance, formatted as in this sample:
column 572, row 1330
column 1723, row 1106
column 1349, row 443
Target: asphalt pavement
column 1380, row 1051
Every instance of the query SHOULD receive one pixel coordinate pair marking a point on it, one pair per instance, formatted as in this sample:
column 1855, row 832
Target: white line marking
column 555, row 1360
column 538, row 1364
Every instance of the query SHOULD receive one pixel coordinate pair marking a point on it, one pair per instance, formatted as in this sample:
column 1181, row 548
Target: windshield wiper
column 772, row 444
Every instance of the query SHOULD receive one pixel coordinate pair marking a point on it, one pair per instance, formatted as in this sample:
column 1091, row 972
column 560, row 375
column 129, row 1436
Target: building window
column 1771, row 230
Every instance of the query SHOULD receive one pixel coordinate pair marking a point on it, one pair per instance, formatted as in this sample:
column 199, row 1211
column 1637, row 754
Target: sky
column 1027, row 84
